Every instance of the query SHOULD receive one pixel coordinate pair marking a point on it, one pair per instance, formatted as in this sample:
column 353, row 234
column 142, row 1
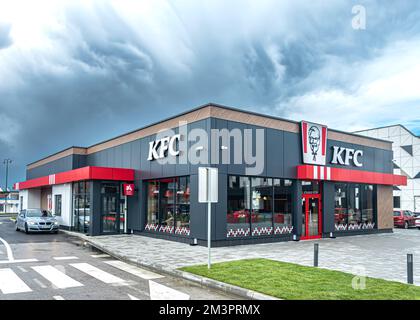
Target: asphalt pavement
column 62, row 267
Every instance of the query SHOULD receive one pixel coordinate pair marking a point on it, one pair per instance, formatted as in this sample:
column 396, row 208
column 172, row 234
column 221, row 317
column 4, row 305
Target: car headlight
column 56, row 223
column 31, row 223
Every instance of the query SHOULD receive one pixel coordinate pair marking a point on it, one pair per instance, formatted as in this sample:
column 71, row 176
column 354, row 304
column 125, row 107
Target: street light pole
column 6, row 162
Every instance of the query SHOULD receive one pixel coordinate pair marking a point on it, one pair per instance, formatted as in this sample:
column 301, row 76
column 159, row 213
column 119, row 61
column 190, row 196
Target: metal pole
column 208, row 219
column 125, row 215
column 6, row 162
column 316, row 250
column 410, row 268
column 209, row 233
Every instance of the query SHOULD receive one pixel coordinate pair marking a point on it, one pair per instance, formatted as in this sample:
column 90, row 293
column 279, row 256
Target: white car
column 417, row 222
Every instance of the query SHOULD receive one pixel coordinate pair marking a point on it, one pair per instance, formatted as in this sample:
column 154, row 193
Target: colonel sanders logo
column 314, row 137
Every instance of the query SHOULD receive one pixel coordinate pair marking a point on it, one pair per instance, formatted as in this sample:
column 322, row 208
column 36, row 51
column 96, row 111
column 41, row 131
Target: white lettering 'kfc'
column 158, row 148
column 349, row 154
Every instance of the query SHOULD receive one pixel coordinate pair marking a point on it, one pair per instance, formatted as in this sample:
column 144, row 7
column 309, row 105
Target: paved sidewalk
column 380, row 255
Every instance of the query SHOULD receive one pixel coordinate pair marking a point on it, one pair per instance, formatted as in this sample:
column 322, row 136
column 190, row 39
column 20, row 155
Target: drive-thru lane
column 60, row 267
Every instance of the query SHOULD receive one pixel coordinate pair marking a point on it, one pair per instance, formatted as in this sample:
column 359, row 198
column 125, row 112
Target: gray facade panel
column 198, row 212
column 60, row 165
column 275, row 153
column 292, row 154
column 328, row 201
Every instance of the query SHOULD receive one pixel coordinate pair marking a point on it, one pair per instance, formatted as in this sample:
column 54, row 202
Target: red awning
column 85, row 173
column 310, row 172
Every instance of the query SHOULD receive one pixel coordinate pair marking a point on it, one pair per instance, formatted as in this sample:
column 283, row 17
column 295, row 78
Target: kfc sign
column 344, row 155
column 314, row 143
column 128, row 189
column 158, row 149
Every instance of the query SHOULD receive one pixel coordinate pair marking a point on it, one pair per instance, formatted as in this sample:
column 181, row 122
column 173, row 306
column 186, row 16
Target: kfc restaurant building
column 278, row 180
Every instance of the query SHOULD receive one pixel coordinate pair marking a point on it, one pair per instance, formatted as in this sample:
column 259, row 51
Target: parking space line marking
column 99, row 255
column 139, row 272
column 97, row 273
column 8, row 249
column 22, row 269
column 11, row 283
column 57, row 278
column 43, row 286
column 66, row 258
column 18, row 261
column 161, row 292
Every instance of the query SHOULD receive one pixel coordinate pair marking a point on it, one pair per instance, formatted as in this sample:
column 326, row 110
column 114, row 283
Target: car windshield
column 37, row 213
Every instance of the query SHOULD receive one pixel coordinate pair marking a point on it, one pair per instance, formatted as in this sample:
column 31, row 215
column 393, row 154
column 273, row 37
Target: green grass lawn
column 291, row 281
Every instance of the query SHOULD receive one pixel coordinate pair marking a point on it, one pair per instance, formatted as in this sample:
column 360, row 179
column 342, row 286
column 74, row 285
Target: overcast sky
column 78, row 72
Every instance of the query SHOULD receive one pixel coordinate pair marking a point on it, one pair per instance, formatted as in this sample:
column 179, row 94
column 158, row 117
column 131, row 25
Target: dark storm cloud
column 106, row 70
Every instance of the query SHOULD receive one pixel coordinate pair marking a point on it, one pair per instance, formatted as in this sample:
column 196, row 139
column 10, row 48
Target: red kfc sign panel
column 128, row 189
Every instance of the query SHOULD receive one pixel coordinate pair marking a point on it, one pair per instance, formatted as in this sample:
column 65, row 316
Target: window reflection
column 81, row 206
column 354, row 207
column 259, row 206
column 168, row 205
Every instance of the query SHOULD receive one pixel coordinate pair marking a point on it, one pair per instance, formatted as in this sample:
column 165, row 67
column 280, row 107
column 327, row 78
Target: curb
column 202, row 281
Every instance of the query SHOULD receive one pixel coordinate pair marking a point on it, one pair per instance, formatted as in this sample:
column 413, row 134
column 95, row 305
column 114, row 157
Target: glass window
column 282, row 205
column 239, row 198
column 182, row 211
column 354, row 213
column 152, row 202
column 340, row 210
column 168, row 205
column 81, row 206
column 368, row 211
column 397, row 202
column 310, row 187
column 167, row 202
column 268, row 200
column 109, row 212
column 407, row 213
column 262, row 205
column 57, row 208
column 37, row 213
column 354, row 206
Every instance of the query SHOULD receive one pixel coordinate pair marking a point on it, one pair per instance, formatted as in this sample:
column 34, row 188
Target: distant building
column 9, row 201
column 406, row 147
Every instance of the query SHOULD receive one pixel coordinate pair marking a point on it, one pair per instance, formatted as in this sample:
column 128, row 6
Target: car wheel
column 26, row 228
column 406, row 225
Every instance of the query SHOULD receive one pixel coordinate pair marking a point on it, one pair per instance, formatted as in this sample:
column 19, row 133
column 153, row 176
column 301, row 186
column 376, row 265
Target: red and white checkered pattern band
column 359, row 226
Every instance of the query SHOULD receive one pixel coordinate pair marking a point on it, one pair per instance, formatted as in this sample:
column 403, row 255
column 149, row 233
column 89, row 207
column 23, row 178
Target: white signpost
column 208, row 192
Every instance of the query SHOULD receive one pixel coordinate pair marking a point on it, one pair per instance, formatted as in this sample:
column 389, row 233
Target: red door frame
column 307, row 197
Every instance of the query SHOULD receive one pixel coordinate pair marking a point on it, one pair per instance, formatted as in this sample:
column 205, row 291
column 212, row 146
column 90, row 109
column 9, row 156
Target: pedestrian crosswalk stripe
column 139, row 272
column 65, row 258
column 57, row 278
column 97, row 273
column 161, row 292
column 11, row 283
